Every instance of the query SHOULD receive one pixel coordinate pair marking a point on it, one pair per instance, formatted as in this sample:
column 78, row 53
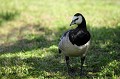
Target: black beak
column 72, row 23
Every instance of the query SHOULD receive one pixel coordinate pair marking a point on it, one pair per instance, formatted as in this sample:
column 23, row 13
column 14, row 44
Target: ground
column 30, row 31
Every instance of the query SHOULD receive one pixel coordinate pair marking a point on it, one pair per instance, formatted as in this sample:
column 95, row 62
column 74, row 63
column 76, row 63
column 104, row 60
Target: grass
column 30, row 32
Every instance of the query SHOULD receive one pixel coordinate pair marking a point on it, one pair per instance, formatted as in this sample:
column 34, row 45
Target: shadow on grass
column 46, row 67
column 104, row 49
column 28, row 37
column 8, row 15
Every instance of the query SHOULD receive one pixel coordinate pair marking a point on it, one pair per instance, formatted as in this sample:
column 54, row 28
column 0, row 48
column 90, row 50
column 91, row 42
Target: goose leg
column 67, row 62
column 82, row 62
column 68, row 65
column 71, row 71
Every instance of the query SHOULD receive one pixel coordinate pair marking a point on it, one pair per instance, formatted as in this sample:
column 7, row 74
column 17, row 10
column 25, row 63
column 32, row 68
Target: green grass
column 30, row 32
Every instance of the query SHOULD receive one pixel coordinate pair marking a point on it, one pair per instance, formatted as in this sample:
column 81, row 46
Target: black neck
column 82, row 26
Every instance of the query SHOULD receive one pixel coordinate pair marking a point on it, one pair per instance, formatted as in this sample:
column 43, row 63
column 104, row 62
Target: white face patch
column 75, row 17
column 77, row 21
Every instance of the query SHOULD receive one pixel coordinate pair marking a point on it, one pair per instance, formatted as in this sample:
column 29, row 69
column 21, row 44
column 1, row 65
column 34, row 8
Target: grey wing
column 64, row 34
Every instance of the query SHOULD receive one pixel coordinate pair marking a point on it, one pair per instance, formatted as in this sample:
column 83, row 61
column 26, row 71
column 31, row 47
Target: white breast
column 68, row 49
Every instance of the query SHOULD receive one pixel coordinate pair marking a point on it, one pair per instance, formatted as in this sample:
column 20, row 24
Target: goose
column 75, row 42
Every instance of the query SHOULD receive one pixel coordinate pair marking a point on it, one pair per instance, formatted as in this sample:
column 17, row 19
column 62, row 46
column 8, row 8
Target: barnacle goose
column 75, row 42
